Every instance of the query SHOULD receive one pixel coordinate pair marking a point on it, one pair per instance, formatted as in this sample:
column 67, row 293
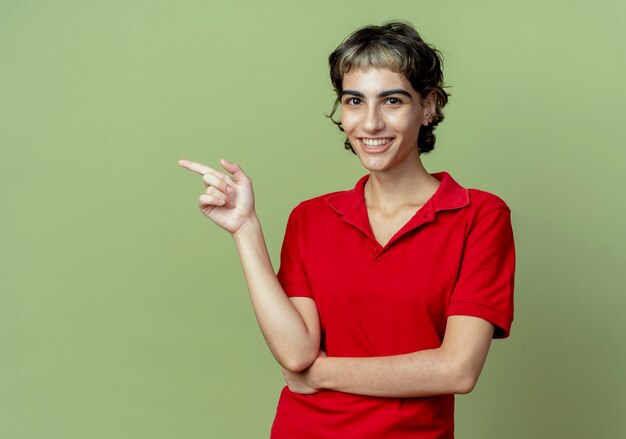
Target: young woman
column 389, row 294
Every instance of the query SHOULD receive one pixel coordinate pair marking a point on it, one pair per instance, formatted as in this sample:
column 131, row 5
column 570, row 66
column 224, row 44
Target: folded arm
column 452, row 368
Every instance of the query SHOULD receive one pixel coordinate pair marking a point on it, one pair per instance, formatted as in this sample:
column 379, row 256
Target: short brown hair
column 396, row 46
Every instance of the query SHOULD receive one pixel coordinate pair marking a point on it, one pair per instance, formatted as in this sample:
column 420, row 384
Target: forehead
column 374, row 80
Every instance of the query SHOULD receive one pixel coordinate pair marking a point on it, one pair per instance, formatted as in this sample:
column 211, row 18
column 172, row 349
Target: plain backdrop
column 123, row 311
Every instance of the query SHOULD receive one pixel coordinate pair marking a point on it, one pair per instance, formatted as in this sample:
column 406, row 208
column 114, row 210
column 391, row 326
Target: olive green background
column 123, row 311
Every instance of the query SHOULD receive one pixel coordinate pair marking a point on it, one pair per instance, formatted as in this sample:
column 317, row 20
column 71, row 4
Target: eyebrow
column 382, row 94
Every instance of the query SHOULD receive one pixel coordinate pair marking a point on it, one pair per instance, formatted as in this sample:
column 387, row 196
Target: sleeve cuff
column 502, row 321
column 298, row 290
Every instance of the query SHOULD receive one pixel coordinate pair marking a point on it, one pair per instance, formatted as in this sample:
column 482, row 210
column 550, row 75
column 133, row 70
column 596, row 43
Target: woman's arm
column 290, row 327
column 452, row 368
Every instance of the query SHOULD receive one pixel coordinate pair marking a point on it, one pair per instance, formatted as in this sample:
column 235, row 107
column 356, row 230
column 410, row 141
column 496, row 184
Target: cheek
column 348, row 121
column 408, row 125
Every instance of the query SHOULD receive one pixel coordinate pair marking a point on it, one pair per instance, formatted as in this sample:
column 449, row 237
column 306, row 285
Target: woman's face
column 381, row 113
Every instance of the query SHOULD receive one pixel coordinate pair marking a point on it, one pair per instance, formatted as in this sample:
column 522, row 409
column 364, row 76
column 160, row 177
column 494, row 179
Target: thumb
column 234, row 169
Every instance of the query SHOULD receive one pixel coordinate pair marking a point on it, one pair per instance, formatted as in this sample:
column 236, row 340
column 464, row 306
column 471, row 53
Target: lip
column 375, row 149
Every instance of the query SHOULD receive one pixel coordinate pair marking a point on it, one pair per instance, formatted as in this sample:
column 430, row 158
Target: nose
column 373, row 120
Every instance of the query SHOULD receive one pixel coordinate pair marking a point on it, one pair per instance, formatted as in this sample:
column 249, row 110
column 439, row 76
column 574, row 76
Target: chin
column 375, row 165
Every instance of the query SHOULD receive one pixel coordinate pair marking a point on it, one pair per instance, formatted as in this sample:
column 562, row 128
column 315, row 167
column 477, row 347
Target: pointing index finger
column 195, row 167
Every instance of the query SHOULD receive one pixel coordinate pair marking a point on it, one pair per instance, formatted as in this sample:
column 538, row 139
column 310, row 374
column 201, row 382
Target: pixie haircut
column 396, row 46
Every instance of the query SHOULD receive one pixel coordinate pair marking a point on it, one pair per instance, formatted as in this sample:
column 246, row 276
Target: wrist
column 319, row 373
column 247, row 229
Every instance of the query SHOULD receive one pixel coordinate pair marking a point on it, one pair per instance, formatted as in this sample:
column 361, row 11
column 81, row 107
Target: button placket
column 379, row 253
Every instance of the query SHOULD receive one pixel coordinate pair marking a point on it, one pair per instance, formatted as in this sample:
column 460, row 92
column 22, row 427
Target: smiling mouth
column 375, row 145
column 375, row 142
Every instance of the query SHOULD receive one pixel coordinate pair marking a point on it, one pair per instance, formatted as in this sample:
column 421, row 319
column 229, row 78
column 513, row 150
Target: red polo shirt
column 455, row 256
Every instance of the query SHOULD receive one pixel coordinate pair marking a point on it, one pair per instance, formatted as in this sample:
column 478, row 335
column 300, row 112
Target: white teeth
column 375, row 142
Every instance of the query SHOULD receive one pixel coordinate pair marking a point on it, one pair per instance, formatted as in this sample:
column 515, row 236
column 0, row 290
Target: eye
column 394, row 101
column 352, row 101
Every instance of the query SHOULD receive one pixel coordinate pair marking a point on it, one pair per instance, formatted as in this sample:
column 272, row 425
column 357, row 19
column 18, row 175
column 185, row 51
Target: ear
column 429, row 104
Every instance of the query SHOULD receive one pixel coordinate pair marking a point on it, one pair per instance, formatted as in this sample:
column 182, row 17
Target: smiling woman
column 397, row 47
column 381, row 112
column 389, row 294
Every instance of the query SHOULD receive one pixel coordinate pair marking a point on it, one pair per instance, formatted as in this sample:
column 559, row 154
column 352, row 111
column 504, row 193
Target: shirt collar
column 449, row 195
column 351, row 205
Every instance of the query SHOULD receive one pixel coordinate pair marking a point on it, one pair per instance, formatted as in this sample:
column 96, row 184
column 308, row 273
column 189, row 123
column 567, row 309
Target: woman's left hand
column 303, row 382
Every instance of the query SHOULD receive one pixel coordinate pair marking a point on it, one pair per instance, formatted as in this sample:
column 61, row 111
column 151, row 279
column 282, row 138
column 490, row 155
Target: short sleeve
column 292, row 274
column 484, row 287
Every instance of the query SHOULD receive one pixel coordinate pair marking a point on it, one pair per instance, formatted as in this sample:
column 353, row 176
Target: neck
column 411, row 185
